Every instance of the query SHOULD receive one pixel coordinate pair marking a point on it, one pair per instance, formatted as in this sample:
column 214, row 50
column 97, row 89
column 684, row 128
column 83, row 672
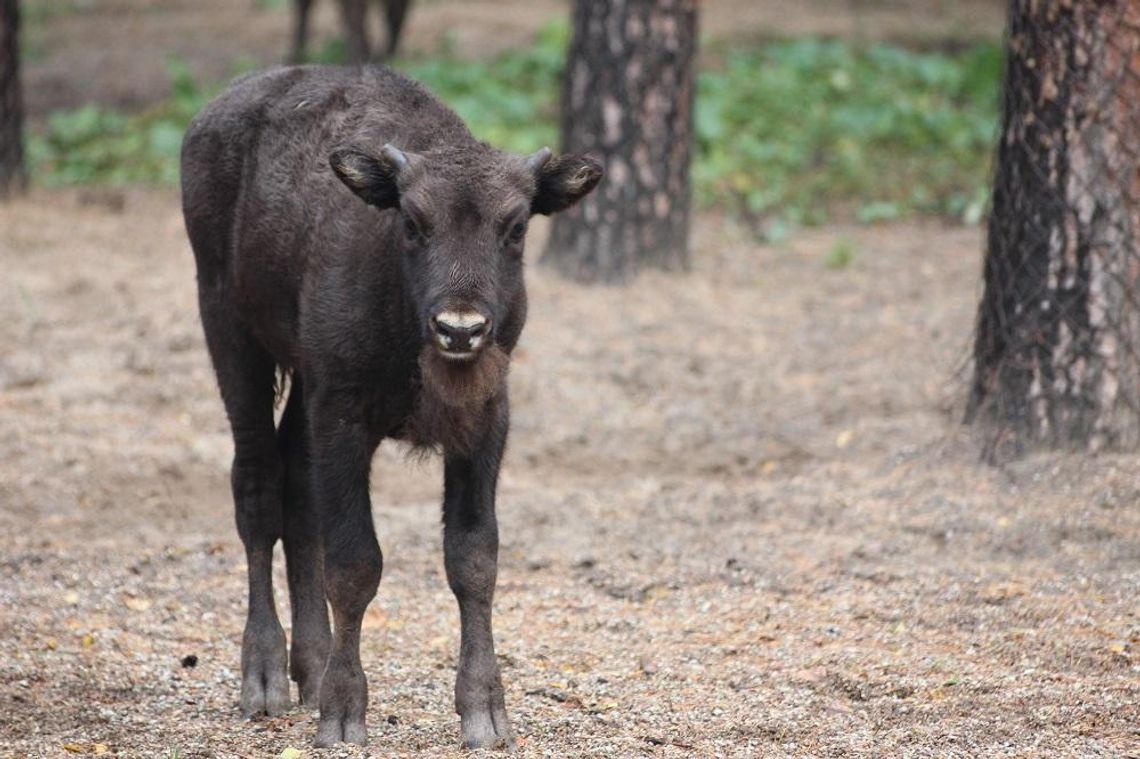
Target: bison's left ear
column 374, row 178
column 562, row 181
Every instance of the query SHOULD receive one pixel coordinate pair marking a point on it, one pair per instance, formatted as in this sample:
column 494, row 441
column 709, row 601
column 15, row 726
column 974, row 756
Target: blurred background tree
column 627, row 97
column 13, row 176
column 1057, row 351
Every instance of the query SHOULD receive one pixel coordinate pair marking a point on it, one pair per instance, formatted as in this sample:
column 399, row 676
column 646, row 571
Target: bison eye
column 412, row 230
column 517, row 233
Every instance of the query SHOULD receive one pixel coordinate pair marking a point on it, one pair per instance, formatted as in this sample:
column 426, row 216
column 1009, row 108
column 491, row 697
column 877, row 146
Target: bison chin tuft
column 454, row 407
column 464, row 384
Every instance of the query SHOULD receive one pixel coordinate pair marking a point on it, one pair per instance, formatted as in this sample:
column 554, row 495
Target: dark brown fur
column 452, row 405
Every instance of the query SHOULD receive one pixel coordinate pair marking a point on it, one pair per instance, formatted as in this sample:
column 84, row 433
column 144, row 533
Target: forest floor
column 739, row 514
column 739, row 518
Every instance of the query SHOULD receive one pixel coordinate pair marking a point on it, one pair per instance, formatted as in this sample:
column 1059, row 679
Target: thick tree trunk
column 13, row 177
column 628, row 99
column 1057, row 351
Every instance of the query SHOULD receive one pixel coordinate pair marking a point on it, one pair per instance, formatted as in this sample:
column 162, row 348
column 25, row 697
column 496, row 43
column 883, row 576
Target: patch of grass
column 97, row 145
column 38, row 11
column 806, row 128
column 788, row 133
column 512, row 101
column 841, row 255
column 331, row 52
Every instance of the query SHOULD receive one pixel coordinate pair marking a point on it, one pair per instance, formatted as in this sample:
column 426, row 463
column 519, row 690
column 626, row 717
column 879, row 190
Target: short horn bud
column 538, row 159
column 395, row 156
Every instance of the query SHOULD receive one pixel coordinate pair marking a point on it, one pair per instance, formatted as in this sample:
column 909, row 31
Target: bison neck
column 455, row 403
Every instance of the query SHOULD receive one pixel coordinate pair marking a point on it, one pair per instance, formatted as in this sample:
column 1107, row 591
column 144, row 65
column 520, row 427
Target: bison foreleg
column 352, row 560
column 471, row 548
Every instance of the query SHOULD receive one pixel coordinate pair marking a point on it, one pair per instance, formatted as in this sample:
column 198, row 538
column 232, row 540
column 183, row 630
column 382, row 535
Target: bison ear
column 374, row 178
column 562, row 181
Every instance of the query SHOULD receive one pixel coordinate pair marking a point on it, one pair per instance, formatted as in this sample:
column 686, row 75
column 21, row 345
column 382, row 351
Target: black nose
column 460, row 333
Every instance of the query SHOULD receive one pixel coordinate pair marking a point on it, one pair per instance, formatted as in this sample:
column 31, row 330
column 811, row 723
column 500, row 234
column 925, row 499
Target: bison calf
column 349, row 230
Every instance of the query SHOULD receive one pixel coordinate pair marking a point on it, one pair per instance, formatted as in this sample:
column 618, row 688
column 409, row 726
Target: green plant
column 92, row 144
column 808, row 128
column 788, row 133
column 841, row 255
column 331, row 52
column 511, row 101
column 38, row 11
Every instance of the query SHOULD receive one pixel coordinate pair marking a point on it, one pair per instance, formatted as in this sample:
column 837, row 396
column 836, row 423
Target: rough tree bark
column 13, row 176
column 1057, row 349
column 628, row 99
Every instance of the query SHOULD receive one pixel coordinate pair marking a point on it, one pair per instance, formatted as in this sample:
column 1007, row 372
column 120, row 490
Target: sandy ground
column 739, row 518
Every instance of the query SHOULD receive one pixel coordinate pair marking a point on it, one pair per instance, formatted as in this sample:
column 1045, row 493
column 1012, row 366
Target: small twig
column 666, row 742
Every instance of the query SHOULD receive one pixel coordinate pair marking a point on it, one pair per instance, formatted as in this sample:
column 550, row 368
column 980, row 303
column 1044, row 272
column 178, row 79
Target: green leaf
column 879, row 211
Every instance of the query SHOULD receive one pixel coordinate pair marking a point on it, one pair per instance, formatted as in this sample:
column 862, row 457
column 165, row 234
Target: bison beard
column 451, row 410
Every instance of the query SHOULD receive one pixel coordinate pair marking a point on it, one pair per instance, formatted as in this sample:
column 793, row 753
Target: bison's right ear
column 374, row 179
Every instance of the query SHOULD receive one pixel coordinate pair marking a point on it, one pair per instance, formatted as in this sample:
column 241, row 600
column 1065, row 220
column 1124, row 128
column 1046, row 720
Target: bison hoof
column 307, row 673
column 264, row 692
column 264, row 682
column 487, row 729
column 334, row 730
column 309, row 693
column 344, row 699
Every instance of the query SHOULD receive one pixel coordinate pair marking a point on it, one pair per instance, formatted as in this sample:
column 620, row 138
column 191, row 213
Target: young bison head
column 460, row 219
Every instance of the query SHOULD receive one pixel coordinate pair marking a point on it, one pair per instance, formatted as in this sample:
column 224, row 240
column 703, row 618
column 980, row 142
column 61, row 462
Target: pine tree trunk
column 628, row 99
column 13, row 177
column 1057, row 351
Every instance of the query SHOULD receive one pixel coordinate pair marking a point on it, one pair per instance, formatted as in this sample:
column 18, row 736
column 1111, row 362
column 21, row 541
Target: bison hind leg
column 303, row 555
column 246, row 378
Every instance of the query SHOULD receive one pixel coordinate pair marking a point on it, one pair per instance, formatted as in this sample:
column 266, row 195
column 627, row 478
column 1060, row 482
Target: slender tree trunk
column 13, row 176
column 1057, row 351
column 628, row 99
